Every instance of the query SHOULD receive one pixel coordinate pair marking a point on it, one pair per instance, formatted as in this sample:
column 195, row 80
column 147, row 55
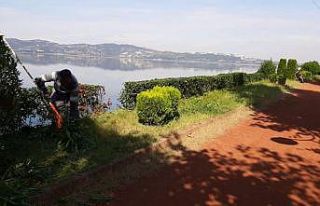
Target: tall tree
column 10, row 90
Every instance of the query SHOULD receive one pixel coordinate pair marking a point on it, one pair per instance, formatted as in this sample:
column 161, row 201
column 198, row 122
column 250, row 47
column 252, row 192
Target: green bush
column 267, row 68
column 282, row 80
column 188, row 86
column 158, row 106
column 292, row 68
column 282, row 72
column 307, row 76
column 273, row 78
column 282, row 64
column 11, row 113
column 312, row 67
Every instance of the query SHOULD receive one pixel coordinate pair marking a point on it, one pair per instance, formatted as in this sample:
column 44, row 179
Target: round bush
column 158, row 106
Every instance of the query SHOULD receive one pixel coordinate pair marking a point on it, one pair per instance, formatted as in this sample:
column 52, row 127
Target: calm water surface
column 112, row 73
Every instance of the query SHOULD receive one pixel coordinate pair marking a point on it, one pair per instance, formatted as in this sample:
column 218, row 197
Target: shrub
column 307, row 76
column 273, row 78
column 282, row 80
column 10, row 102
column 282, row 72
column 282, row 64
column 255, row 77
column 188, row 86
column 267, row 68
column 158, row 106
column 292, row 68
column 312, row 67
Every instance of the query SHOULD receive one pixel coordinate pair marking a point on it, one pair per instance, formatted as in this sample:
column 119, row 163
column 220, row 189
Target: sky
column 254, row 28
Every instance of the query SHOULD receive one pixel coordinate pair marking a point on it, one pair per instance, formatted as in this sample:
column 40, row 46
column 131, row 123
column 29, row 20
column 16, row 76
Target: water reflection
column 128, row 64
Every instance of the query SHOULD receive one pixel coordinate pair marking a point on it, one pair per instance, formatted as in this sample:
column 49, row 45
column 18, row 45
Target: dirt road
column 273, row 158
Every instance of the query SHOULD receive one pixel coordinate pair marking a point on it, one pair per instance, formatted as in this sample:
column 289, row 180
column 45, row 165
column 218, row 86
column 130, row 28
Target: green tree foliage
column 10, row 91
column 292, row 68
column 158, row 106
column 312, row 67
column 282, row 71
column 282, row 66
column 268, row 68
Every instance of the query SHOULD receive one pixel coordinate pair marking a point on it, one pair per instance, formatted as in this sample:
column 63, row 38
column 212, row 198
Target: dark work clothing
column 72, row 97
column 54, row 76
column 60, row 93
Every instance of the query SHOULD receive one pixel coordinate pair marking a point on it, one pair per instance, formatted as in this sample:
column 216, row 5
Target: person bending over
column 65, row 89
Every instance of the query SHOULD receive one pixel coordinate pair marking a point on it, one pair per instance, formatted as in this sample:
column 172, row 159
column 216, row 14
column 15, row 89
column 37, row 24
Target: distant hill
column 120, row 51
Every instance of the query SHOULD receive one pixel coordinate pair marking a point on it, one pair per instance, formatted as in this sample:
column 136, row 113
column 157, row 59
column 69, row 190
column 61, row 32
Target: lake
column 113, row 72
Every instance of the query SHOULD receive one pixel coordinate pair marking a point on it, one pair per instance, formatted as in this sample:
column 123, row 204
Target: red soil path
column 273, row 158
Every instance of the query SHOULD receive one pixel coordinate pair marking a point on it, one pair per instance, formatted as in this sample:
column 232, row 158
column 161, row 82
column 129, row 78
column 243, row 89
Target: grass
column 115, row 135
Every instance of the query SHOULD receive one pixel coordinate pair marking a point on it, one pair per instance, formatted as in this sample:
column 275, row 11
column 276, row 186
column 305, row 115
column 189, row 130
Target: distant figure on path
column 299, row 76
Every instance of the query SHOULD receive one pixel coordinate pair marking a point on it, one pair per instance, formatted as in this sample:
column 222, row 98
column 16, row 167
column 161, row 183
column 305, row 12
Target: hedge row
column 188, row 86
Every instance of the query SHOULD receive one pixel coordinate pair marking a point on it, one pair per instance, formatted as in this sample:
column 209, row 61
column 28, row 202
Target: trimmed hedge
column 158, row 106
column 292, row 68
column 282, row 71
column 188, row 86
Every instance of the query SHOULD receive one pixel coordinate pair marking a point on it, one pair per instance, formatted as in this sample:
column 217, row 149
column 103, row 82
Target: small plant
column 158, row 106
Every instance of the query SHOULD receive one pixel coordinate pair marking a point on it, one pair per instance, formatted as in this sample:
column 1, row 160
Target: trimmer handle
column 41, row 86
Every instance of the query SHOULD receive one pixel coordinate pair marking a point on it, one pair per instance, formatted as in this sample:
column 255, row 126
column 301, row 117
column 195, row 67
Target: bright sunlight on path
column 273, row 158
